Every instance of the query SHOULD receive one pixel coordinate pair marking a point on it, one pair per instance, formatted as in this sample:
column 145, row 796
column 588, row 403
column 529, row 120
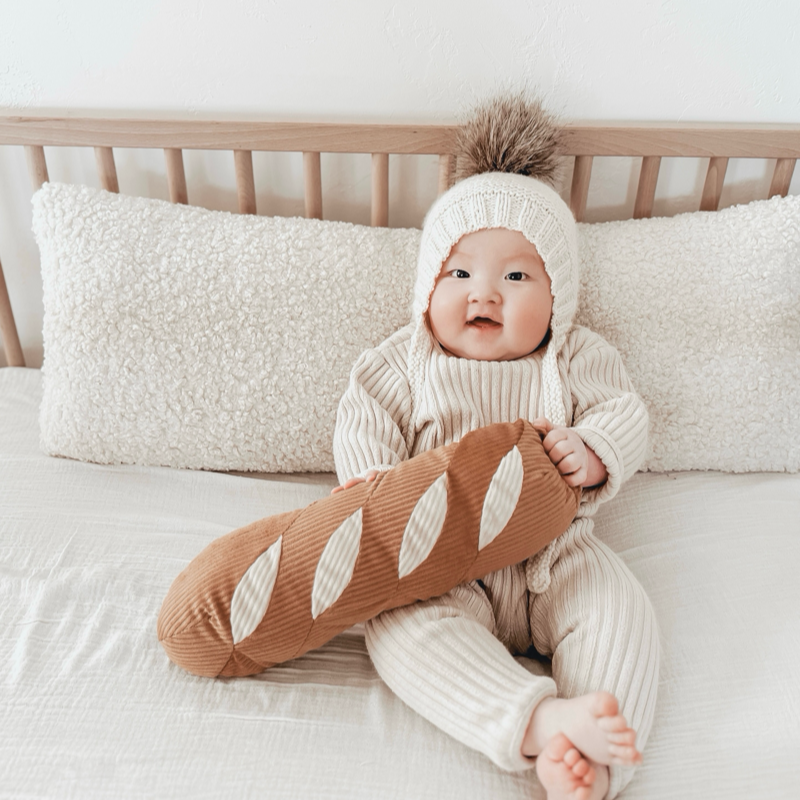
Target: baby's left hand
column 566, row 450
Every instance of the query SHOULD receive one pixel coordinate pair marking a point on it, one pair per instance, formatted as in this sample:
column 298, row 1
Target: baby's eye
column 515, row 276
column 460, row 273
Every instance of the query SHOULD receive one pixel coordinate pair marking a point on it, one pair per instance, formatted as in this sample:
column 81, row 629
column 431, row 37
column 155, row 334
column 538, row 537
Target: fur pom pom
column 509, row 133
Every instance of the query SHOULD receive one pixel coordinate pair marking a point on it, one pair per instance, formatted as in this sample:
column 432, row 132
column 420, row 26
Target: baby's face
column 492, row 298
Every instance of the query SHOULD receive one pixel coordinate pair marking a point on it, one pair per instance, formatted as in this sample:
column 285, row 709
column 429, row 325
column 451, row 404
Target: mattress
column 92, row 707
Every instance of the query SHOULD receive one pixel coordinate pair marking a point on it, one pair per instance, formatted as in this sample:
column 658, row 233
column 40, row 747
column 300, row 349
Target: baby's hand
column 368, row 478
column 565, row 449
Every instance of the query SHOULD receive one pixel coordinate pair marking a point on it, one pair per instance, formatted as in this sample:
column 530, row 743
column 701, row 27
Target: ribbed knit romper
column 451, row 659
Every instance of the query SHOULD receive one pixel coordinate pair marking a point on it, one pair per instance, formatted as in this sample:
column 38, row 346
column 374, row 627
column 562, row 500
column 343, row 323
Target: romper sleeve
column 607, row 413
column 609, row 417
column 374, row 411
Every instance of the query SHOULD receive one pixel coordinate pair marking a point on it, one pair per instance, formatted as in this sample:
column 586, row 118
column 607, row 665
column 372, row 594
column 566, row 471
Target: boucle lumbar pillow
column 191, row 338
column 705, row 310
column 183, row 337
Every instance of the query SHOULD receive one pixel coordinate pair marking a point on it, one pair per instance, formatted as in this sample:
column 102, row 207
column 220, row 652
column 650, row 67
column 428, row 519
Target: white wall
column 376, row 60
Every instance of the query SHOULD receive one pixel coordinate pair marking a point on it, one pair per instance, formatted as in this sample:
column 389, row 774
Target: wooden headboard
column 583, row 143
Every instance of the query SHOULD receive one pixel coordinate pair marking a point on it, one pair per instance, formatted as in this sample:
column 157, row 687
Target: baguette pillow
column 272, row 590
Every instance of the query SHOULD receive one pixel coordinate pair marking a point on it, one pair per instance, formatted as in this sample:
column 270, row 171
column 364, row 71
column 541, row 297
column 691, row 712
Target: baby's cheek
column 444, row 315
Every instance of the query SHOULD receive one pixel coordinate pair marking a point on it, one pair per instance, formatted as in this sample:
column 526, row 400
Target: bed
column 91, row 705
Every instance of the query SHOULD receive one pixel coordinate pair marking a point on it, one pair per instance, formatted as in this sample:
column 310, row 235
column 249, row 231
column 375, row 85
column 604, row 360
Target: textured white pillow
column 192, row 338
column 705, row 310
column 184, row 337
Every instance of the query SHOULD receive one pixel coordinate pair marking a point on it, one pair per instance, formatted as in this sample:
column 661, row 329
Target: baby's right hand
column 368, row 478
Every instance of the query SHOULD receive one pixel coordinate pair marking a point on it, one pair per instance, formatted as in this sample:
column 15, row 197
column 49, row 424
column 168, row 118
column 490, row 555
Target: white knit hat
column 499, row 200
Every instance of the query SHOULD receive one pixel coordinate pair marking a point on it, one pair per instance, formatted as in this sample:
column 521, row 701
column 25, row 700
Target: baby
column 492, row 340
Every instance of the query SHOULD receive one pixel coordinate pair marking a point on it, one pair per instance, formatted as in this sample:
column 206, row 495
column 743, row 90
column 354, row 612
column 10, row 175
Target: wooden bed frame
column 583, row 142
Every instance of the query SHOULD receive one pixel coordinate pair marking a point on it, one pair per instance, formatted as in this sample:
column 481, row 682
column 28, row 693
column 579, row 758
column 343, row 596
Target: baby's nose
column 484, row 292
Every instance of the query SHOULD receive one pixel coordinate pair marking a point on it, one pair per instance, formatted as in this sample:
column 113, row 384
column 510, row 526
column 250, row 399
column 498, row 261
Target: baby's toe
column 581, row 769
column 627, row 736
column 615, row 724
column 623, row 754
column 558, row 747
column 604, row 704
column 572, row 757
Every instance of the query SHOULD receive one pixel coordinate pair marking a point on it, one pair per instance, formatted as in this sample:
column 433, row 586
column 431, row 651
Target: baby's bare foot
column 566, row 774
column 592, row 723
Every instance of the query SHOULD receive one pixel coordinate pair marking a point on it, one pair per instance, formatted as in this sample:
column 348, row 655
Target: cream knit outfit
column 451, row 658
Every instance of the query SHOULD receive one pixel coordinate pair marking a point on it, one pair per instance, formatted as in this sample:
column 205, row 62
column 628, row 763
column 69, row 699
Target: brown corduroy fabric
column 194, row 625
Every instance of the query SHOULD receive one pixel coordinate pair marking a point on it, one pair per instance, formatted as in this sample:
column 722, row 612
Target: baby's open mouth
column 484, row 322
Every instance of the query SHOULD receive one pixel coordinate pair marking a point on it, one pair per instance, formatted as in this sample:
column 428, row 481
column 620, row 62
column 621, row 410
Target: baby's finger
column 553, row 438
column 542, row 426
column 558, row 449
column 347, row 484
column 577, row 478
column 569, row 464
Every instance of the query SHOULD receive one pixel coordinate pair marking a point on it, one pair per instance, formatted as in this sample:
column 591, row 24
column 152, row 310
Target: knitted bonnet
column 506, row 152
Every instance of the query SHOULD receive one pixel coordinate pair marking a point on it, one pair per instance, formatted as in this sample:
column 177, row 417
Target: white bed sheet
column 91, row 706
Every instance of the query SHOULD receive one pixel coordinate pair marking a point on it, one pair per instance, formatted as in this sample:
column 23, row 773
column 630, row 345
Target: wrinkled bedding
column 92, row 707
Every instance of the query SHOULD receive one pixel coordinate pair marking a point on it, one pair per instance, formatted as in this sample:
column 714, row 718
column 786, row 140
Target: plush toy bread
column 284, row 585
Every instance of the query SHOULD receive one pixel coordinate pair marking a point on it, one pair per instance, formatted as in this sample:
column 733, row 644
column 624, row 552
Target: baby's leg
column 441, row 658
column 596, row 623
